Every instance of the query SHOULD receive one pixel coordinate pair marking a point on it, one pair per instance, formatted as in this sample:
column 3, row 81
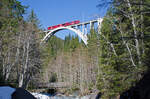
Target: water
column 48, row 96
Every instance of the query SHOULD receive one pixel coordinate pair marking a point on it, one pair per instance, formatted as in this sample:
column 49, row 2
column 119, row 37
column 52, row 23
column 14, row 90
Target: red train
column 64, row 24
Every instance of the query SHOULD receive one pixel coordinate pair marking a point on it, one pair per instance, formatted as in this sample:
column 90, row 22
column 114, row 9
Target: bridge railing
column 54, row 85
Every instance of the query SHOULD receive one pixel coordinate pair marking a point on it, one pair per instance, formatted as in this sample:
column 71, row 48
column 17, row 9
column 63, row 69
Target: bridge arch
column 78, row 32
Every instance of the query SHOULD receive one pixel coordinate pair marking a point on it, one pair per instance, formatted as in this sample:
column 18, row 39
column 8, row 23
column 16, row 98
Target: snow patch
column 47, row 96
column 40, row 96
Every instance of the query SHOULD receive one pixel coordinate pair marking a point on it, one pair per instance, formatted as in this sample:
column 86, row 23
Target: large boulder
column 21, row 93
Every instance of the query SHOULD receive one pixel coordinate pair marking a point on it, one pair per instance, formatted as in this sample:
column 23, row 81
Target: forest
column 115, row 62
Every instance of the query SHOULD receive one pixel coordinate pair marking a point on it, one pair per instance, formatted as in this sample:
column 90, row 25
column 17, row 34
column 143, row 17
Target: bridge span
column 80, row 29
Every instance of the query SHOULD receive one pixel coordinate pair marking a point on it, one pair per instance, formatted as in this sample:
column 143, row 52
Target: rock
column 95, row 96
column 21, row 93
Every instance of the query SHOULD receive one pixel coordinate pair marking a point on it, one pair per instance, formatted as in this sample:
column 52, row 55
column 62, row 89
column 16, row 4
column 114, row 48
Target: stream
column 48, row 96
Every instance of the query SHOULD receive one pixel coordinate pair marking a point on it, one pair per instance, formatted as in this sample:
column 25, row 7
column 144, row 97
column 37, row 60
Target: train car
column 64, row 24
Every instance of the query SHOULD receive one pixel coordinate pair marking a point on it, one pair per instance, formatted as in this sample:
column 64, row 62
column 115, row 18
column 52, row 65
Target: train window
column 49, row 28
column 63, row 24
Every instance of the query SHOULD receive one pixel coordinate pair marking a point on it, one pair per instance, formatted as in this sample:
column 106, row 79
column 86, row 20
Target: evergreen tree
column 10, row 16
column 122, row 46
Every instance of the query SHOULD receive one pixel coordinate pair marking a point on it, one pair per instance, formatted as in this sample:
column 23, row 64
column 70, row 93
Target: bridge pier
column 99, row 24
column 91, row 25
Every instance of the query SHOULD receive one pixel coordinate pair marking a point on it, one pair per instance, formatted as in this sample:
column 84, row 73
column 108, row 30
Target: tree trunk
column 25, row 67
column 135, row 32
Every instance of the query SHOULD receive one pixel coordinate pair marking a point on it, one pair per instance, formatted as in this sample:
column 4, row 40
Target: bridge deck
column 53, row 85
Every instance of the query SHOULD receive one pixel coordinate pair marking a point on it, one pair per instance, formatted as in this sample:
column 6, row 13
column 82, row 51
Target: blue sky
column 53, row 12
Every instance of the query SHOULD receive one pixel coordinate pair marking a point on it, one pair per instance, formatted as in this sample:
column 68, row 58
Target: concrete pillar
column 99, row 23
column 83, row 28
column 91, row 25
